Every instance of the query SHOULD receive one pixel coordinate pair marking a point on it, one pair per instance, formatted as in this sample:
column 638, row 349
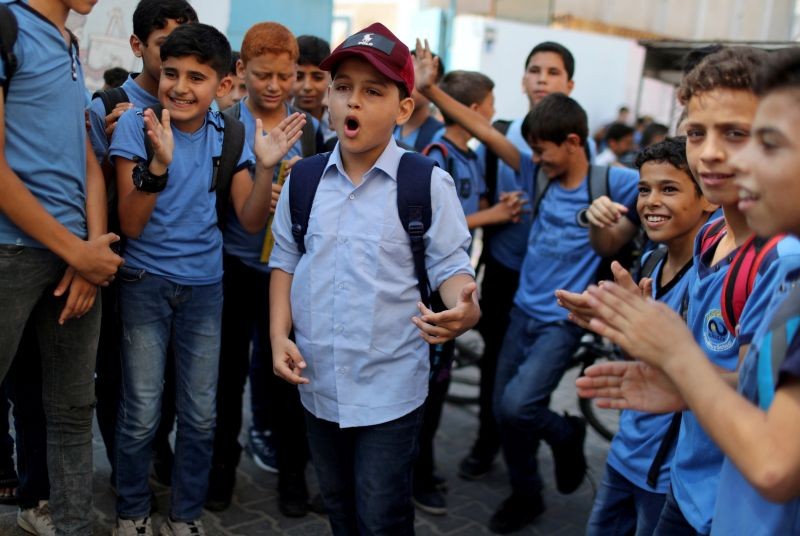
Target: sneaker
column 37, row 520
column 429, row 499
column 568, row 458
column 182, row 528
column 133, row 527
column 474, row 466
column 516, row 512
column 292, row 494
column 260, row 447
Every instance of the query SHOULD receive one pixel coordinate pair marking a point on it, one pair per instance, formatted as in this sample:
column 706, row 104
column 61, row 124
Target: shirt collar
column 388, row 162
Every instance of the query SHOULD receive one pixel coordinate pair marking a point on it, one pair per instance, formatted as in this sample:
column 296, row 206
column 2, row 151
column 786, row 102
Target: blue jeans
column 671, row 522
column 28, row 277
column 531, row 363
column 156, row 312
column 364, row 473
column 623, row 508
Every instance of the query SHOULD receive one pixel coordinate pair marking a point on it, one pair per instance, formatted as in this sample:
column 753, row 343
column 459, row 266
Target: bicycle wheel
column 604, row 421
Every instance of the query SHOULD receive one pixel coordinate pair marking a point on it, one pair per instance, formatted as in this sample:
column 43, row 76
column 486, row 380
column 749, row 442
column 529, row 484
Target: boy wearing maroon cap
column 359, row 360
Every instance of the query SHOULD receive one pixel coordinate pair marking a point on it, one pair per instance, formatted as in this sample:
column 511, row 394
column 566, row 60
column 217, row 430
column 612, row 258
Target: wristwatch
column 144, row 181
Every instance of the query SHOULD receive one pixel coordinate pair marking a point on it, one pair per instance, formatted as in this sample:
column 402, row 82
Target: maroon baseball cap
column 381, row 48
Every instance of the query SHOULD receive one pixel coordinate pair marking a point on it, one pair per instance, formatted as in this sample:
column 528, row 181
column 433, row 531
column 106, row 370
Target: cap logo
column 371, row 40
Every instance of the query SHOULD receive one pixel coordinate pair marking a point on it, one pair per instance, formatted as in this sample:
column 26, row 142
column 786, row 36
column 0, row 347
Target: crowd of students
column 298, row 217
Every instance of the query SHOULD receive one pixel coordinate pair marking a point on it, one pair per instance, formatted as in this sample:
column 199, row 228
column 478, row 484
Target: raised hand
column 271, row 148
column 426, row 66
column 630, row 385
column 160, row 134
column 603, row 212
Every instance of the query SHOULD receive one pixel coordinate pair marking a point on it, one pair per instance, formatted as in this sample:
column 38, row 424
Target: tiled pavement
column 254, row 511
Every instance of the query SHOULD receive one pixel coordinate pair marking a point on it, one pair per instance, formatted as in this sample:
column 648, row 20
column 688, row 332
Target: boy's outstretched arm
column 287, row 363
column 460, row 295
column 136, row 207
column 425, row 67
column 93, row 258
column 609, row 229
column 253, row 199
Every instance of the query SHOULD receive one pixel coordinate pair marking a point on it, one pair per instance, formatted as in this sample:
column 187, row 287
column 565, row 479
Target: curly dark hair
column 733, row 68
column 670, row 151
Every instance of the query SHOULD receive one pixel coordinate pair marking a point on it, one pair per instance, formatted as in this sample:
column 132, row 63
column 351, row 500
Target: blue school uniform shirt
column 45, row 132
column 466, row 169
column 237, row 241
column 740, row 509
column 181, row 242
column 640, row 434
column 410, row 140
column 97, row 115
column 559, row 254
column 697, row 461
column 354, row 291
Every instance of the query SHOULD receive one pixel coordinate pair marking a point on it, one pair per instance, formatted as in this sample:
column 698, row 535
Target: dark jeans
column 24, row 388
column 531, row 364
column 622, row 508
column 671, row 522
column 497, row 297
column 28, row 277
column 365, row 473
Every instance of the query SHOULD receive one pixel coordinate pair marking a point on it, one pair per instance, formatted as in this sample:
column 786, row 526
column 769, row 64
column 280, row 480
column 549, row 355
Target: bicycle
column 592, row 348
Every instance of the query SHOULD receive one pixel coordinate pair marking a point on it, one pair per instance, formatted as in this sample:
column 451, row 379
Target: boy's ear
column 404, row 110
column 240, row 68
column 573, row 141
column 136, row 46
column 570, row 86
column 225, row 86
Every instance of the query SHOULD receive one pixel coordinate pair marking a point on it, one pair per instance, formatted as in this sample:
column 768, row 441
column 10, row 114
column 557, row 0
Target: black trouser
column 497, row 297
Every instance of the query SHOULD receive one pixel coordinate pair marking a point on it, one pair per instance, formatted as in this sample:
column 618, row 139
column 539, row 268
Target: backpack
column 741, row 277
column 427, row 131
column 783, row 328
column 9, row 30
column 224, row 166
column 310, row 141
column 111, row 97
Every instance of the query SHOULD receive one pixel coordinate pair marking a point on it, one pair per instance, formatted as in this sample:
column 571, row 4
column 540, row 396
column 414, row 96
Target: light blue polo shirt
column 466, row 169
column 698, row 460
column 237, row 241
column 740, row 509
column 45, row 129
column 181, row 242
column 354, row 291
column 559, row 253
column 640, row 434
column 97, row 115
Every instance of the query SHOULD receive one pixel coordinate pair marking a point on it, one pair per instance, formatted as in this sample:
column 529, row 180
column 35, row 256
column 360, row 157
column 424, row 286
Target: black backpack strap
column 111, row 97
column 9, row 30
column 649, row 266
column 305, row 177
column 540, row 186
column 234, row 112
column 598, row 182
column 225, row 166
column 427, row 131
column 490, row 178
column 414, row 209
column 667, row 442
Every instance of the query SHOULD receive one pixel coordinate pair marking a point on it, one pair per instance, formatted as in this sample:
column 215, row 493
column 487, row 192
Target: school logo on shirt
column 464, row 188
column 716, row 335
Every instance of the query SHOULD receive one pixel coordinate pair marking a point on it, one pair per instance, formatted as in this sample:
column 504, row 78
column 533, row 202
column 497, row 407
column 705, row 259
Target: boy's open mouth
column 747, row 199
column 181, row 102
column 351, row 126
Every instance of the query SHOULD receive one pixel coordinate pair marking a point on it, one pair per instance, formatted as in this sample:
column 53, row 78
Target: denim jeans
column 155, row 313
column 623, row 508
column 671, row 522
column 28, row 277
column 530, row 366
column 364, row 473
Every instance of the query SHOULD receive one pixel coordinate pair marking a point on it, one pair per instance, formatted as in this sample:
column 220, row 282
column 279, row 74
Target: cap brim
column 332, row 61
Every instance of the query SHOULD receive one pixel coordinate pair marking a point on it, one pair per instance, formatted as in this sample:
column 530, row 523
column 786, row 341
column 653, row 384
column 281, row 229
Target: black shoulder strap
column 305, row 177
column 490, row 178
column 598, row 182
column 414, row 209
column 9, row 30
column 111, row 97
column 442, row 148
column 649, row 266
column 234, row 111
column 666, row 445
column 541, row 184
column 426, row 132
column 225, row 165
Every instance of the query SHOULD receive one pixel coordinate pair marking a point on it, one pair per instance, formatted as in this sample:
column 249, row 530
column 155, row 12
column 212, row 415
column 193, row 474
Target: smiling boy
column 171, row 293
column 360, row 363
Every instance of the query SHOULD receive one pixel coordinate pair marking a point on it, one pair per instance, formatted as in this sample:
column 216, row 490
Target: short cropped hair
column 697, row 55
column 269, row 37
column 733, row 68
column 151, row 15
column 561, row 50
column 617, row 131
column 780, row 72
column 467, row 87
column 207, row 44
column 554, row 118
column 652, row 131
column 670, row 151
column 312, row 50
column 115, row 76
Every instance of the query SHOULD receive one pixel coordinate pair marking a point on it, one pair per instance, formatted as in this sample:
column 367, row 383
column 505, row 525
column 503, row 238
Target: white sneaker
column 37, row 520
column 181, row 528
column 133, row 527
